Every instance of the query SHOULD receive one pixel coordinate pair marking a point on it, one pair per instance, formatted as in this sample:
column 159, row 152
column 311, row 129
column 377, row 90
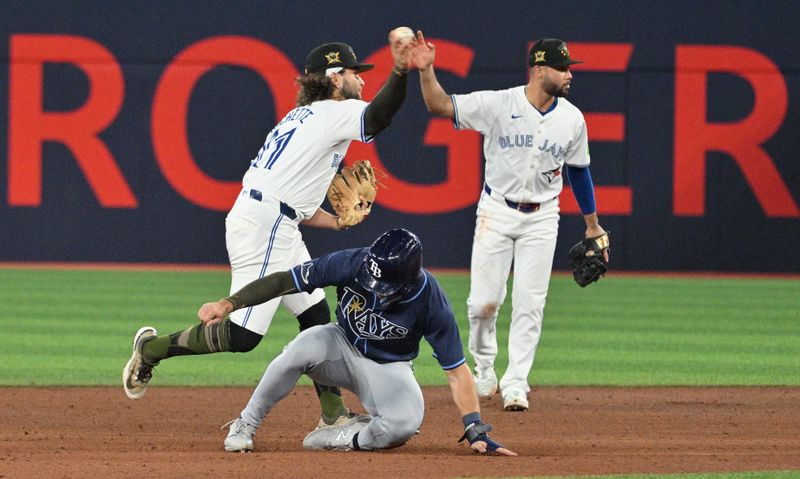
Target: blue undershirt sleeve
column 582, row 187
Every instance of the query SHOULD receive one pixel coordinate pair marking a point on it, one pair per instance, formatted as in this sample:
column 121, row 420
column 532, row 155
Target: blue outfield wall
column 127, row 126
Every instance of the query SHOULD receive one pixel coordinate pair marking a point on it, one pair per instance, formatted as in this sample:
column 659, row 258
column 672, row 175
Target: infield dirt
column 71, row 432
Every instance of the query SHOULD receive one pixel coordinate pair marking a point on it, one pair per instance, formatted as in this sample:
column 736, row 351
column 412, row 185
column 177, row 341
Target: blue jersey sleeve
column 332, row 269
column 442, row 332
column 582, row 188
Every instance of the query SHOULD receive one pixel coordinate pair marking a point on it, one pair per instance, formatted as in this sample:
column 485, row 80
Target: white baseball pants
column 503, row 235
column 261, row 240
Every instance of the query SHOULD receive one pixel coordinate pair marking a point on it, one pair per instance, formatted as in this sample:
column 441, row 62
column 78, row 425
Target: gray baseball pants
column 389, row 392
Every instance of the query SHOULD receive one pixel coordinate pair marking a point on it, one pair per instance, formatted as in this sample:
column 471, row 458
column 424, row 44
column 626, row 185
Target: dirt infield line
column 174, row 433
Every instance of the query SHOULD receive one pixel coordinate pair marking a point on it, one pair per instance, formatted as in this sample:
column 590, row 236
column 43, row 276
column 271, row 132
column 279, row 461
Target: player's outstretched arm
column 462, row 386
column 255, row 292
column 580, row 179
column 422, row 56
column 379, row 113
column 476, row 432
column 215, row 311
column 324, row 219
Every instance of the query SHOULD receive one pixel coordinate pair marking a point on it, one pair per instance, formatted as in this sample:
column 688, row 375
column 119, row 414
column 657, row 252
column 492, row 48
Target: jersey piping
column 270, row 244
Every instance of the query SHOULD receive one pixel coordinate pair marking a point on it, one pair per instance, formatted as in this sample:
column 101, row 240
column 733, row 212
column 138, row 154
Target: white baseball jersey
column 302, row 153
column 525, row 152
column 294, row 168
column 525, row 149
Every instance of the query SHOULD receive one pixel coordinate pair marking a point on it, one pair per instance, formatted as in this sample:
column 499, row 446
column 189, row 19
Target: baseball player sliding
column 386, row 304
column 283, row 188
column 531, row 135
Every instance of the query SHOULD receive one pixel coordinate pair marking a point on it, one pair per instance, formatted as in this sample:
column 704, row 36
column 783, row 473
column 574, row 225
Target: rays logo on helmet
column 394, row 262
column 374, row 268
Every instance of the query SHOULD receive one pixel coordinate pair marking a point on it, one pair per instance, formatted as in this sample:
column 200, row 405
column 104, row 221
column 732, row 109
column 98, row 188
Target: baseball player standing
column 386, row 304
column 531, row 135
column 284, row 187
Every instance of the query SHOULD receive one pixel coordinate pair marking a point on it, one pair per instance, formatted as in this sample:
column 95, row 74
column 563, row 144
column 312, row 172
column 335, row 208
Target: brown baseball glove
column 352, row 193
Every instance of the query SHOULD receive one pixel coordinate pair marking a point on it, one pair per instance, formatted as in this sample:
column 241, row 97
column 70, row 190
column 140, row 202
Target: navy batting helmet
column 394, row 261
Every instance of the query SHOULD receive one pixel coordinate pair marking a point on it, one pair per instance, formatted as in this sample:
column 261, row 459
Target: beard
column 349, row 92
column 554, row 90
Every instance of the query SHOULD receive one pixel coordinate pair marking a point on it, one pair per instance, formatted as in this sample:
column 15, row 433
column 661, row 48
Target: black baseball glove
column 587, row 261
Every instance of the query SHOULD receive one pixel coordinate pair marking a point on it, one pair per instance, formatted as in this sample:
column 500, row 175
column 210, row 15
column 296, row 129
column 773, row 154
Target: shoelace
column 228, row 423
column 145, row 373
column 240, row 426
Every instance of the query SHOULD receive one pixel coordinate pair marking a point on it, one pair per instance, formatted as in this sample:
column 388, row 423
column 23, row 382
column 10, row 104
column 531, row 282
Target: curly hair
column 313, row 87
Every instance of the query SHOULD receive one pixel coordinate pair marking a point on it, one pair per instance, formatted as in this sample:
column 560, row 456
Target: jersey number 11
column 272, row 149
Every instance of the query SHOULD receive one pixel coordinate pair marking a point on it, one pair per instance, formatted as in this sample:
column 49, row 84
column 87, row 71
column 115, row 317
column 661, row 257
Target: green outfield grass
column 61, row 327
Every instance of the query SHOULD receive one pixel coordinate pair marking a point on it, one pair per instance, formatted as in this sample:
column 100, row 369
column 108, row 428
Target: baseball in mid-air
column 403, row 33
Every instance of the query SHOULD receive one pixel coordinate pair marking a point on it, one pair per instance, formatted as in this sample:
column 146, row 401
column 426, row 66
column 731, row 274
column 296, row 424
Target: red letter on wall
column 603, row 57
column 30, row 125
column 694, row 136
column 171, row 107
column 463, row 185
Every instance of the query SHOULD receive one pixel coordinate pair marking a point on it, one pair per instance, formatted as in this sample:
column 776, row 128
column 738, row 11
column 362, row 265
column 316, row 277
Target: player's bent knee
column 399, row 431
column 242, row 339
column 402, row 435
column 482, row 311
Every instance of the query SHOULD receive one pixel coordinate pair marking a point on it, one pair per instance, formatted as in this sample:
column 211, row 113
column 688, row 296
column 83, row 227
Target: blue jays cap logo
column 332, row 57
column 551, row 52
column 335, row 55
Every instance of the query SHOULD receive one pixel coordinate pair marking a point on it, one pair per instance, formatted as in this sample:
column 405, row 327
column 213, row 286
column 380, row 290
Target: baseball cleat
column 336, row 438
column 137, row 372
column 515, row 401
column 486, row 384
column 240, row 436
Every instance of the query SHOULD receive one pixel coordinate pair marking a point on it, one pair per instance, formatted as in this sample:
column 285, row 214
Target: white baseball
column 403, row 33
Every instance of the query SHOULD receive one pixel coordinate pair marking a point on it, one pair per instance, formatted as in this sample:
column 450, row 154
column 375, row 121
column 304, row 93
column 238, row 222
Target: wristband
column 232, row 299
column 470, row 418
column 476, row 431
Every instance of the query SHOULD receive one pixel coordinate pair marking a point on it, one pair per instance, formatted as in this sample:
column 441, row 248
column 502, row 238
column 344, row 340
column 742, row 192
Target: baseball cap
column 550, row 52
column 332, row 57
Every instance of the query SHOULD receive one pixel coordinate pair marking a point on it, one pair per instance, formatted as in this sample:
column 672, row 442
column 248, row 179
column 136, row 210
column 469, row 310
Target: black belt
column 285, row 209
column 523, row 207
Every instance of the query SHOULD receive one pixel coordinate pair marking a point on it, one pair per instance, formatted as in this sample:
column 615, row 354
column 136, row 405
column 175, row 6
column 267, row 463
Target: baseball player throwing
column 532, row 134
column 386, row 304
column 284, row 187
